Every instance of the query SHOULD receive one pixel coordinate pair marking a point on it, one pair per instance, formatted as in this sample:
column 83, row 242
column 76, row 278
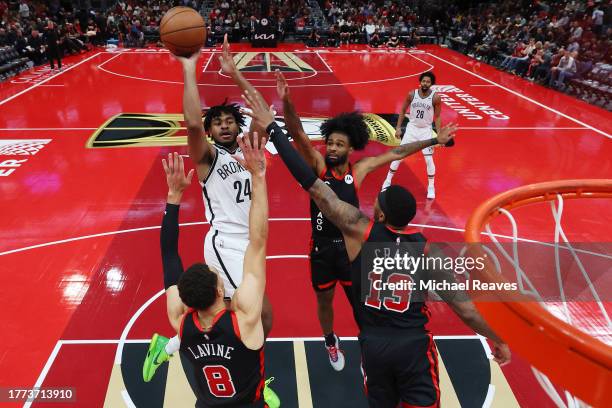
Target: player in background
column 329, row 263
column 398, row 353
column 425, row 106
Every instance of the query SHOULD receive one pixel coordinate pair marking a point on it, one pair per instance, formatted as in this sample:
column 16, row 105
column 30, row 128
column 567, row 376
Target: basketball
column 182, row 30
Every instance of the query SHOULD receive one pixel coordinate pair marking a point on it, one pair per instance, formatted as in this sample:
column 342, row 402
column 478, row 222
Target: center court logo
column 156, row 130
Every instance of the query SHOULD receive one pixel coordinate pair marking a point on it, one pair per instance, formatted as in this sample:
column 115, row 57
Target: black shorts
column 329, row 263
column 400, row 368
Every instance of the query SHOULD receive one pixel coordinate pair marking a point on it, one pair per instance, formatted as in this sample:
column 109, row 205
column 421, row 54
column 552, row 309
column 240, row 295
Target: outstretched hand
column 254, row 154
column 175, row 176
column 282, row 88
column 262, row 114
column 447, row 133
column 501, row 353
column 228, row 65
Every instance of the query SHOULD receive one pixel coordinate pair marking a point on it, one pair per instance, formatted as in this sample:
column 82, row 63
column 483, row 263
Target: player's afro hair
column 198, row 286
column 428, row 74
column 352, row 125
column 227, row 108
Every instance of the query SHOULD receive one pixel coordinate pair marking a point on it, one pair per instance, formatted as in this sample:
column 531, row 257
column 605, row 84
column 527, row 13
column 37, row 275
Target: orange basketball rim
column 568, row 356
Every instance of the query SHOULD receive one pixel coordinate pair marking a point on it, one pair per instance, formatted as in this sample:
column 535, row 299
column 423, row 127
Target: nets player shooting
column 398, row 353
column 425, row 106
column 224, row 344
column 329, row 263
column 226, row 191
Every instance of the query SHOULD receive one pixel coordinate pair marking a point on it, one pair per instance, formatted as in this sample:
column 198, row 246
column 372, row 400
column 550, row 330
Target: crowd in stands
column 559, row 43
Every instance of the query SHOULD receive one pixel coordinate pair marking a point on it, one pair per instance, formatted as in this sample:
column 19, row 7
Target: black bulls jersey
column 227, row 373
column 377, row 306
column 345, row 188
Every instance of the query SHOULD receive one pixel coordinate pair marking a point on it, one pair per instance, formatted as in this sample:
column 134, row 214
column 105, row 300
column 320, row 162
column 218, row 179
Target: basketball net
column 561, row 309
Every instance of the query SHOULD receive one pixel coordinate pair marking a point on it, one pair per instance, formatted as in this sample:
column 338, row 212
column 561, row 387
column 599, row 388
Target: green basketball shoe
column 156, row 356
column 270, row 396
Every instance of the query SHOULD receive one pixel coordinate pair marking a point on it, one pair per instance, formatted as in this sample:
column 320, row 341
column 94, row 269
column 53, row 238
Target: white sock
column 392, row 169
column 174, row 344
column 431, row 169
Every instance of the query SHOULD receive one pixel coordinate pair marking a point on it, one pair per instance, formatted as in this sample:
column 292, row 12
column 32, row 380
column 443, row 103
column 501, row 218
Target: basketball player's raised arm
column 172, row 264
column 352, row 222
column 228, row 66
column 402, row 114
column 460, row 303
column 294, row 125
column 200, row 150
column 369, row 164
column 248, row 298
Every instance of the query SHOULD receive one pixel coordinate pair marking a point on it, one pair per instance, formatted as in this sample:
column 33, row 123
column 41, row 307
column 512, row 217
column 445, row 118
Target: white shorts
column 417, row 134
column 225, row 253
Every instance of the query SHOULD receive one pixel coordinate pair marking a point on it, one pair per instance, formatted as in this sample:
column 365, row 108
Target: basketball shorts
column 329, row 263
column 400, row 368
column 225, row 253
column 417, row 134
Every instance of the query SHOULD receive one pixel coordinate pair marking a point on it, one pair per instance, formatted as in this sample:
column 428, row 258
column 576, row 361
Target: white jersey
column 227, row 193
column 421, row 110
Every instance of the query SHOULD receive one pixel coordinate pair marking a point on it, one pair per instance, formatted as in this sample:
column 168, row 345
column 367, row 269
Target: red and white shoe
column 336, row 356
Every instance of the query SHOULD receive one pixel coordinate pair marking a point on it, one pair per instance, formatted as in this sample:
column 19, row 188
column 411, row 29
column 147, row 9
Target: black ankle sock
column 330, row 339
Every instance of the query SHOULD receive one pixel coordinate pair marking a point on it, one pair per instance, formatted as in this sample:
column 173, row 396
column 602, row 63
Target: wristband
column 270, row 127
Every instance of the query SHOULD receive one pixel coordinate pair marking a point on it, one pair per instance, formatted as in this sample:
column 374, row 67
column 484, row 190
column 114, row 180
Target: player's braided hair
column 352, row 125
column 198, row 286
column 228, row 108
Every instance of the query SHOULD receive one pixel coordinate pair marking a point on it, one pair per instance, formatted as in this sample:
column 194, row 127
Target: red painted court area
column 80, row 270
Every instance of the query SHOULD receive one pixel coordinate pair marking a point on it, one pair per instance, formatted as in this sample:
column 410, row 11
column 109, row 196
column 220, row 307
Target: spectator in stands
column 393, row 40
column 24, row 10
column 280, row 28
column 565, row 68
column 575, row 31
column 517, row 53
column 369, row 29
column 345, row 31
column 136, row 34
column 21, row 44
column 35, row 47
column 314, row 39
column 597, row 18
column 252, row 26
column 333, row 38
column 375, row 40
column 412, row 40
column 536, row 61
